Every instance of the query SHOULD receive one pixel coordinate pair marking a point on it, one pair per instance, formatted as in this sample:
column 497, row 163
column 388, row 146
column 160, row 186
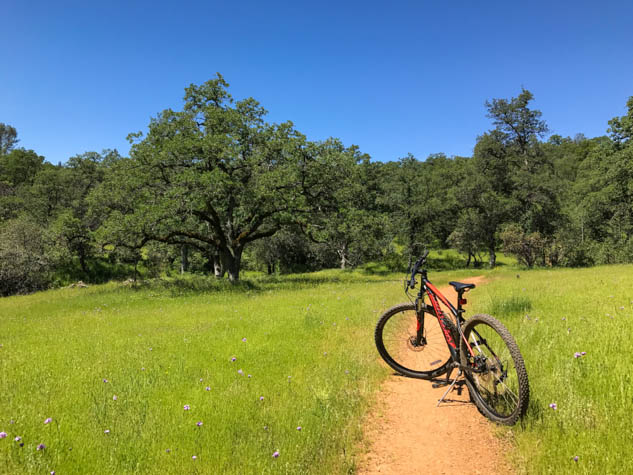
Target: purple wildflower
column 3, row 435
column 168, row 450
column 143, row 369
column 199, row 423
column 114, row 398
column 261, row 398
column 186, row 407
column 208, row 388
column 17, row 438
column 575, row 458
column 244, row 340
column 48, row 420
column 105, row 380
column 553, row 406
column 239, row 371
column 583, row 353
column 299, row 428
column 233, row 359
column 577, row 355
column 40, row 447
column 194, row 457
column 275, row 454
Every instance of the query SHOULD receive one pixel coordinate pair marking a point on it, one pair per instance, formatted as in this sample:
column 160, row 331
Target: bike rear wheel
column 495, row 372
column 397, row 341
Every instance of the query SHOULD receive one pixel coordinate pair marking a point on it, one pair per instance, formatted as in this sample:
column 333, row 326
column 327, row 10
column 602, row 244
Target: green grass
column 309, row 350
column 553, row 314
column 154, row 343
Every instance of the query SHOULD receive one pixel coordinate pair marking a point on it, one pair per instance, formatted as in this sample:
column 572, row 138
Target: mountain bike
column 420, row 340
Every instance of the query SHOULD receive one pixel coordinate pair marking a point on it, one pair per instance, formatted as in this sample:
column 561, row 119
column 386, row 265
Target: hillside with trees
column 213, row 188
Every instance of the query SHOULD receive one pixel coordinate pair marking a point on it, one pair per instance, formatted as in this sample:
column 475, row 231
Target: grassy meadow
column 274, row 375
column 574, row 328
column 191, row 375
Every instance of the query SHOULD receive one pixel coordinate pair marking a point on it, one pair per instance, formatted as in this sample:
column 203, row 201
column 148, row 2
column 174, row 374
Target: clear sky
column 391, row 77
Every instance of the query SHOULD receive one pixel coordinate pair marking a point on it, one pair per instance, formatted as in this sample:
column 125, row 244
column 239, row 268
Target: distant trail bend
column 405, row 433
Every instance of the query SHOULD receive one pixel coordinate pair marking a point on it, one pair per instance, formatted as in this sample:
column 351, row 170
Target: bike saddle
column 460, row 287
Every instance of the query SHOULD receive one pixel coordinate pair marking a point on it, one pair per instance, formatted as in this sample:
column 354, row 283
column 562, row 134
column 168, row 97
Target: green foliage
column 8, row 138
column 25, row 261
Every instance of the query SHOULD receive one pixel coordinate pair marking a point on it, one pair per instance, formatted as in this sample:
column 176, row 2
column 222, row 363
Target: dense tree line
column 214, row 188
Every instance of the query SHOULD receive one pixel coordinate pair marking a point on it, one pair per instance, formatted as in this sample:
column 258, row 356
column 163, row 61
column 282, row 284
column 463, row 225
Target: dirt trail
column 405, row 433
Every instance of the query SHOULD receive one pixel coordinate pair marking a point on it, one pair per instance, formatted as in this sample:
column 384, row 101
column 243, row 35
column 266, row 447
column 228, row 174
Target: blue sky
column 391, row 77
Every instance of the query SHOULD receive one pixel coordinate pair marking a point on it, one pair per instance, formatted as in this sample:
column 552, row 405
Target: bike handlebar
column 416, row 267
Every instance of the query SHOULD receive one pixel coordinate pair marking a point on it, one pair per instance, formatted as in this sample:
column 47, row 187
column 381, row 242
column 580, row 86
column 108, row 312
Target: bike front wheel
column 416, row 353
column 495, row 372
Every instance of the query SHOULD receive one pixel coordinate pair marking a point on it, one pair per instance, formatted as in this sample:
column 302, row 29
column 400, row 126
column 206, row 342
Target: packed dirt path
column 405, row 433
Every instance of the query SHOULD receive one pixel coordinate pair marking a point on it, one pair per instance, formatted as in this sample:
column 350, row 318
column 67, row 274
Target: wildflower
column 3, row 435
column 239, row 371
column 194, row 457
column 48, row 420
column 325, row 353
column 143, row 369
column 244, row 340
column 563, row 319
column 186, row 407
column 233, row 359
column 17, row 438
column 114, row 398
column 250, row 375
column 261, row 398
column 575, row 458
column 105, row 380
column 199, row 423
column 168, row 450
column 275, row 454
column 577, row 355
column 150, row 349
column 583, row 353
column 208, row 388
column 200, row 379
column 107, row 431
column 299, row 428
column 553, row 406
column 40, row 447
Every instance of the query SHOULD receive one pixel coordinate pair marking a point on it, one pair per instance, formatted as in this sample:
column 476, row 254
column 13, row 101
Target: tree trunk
column 469, row 257
column 218, row 270
column 342, row 252
column 231, row 262
column 184, row 258
column 493, row 257
column 82, row 261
